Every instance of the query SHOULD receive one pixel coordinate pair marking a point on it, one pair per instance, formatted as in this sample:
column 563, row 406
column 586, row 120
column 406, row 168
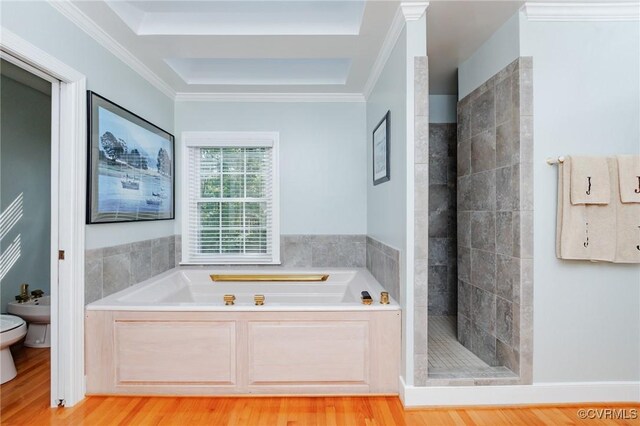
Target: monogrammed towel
column 629, row 176
column 590, row 180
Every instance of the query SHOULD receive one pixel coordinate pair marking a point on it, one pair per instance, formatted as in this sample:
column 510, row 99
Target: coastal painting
column 131, row 166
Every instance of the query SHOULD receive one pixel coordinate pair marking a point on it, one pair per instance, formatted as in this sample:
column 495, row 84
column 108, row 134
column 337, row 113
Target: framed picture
column 130, row 166
column 381, row 151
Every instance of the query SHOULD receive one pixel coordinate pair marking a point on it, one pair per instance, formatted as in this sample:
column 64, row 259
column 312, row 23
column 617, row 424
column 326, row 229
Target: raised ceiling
column 281, row 46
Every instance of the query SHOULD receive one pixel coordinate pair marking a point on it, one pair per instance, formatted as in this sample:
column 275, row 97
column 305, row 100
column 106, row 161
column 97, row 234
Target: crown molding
column 269, row 97
column 586, row 12
column 405, row 12
column 413, row 11
column 86, row 24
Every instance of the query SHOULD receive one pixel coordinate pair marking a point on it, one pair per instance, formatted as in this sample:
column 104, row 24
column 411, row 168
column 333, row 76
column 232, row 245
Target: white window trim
column 231, row 139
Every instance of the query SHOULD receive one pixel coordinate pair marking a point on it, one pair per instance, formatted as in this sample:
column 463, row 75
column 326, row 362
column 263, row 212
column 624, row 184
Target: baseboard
column 538, row 393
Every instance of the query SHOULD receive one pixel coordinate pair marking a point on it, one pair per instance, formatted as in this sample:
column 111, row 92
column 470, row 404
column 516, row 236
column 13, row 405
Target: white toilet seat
column 12, row 329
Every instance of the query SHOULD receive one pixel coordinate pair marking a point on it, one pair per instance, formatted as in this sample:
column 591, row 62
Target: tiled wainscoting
column 111, row 269
column 495, row 229
column 384, row 264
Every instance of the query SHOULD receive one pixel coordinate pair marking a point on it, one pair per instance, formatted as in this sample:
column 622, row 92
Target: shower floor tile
column 448, row 359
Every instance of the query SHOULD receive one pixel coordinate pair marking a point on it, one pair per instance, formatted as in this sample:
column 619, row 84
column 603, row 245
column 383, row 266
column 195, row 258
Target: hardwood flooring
column 25, row 401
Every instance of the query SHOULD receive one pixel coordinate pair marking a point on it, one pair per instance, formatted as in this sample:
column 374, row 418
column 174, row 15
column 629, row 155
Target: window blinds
column 230, row 205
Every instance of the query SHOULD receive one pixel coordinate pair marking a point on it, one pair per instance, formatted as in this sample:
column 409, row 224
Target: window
column 231, row 205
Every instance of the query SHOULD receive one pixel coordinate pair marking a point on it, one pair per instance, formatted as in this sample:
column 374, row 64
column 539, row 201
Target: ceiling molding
column 269, row 97
column 385, row 51
column 406, row 12
column 413, row 11
column 75, row 15
column 576, row 12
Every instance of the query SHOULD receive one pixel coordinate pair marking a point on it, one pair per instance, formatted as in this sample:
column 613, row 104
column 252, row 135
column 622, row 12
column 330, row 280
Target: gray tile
column 464, row 264
column 507, row 356
column 483, row 270
column 439, row 251
column 463, row 160
column 93, row 280
column 504, row 110
column 526, row 234
column 422, row 139
column 483, row 230
column 442, row 304
column 483, row 112
column 464, row 121
column 526, row 91
column 464, row 331
column 338, row 251
column 504, row 233
column 506, row 142
column 526, row 186
column 438, row 282
column 483, row 309
column 420, row 331
column 507, row 276
column 438, row 171
column 120, row 249
column 483, row 191
column 93, row 254
column 439, row 140
column 483, row 344
column 464, row 229
column 504, row 320
column 483, row 151
column 438, row 224
column 421, row 91
column 141, row 265
column 421, row 271
column 422, row 189
column 504, row 189
column 141, row 245
column 116, row 273
column 464, row 193
column 526, row 139
column 464, row 299
column 159, row 258
column 296, row 254
column 439, row 198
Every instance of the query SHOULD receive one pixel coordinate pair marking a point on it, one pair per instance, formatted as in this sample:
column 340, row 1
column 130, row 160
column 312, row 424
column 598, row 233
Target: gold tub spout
column 384, row 297
column 269, row 277
column 229, row 299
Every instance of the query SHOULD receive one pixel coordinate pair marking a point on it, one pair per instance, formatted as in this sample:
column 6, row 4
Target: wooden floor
column 25, row 401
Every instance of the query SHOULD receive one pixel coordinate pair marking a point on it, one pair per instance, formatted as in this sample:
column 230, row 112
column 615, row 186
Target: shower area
column 479, row 292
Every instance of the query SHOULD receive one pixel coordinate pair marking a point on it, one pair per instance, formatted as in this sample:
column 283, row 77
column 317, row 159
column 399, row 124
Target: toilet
column 36, row 312
column 12, row 329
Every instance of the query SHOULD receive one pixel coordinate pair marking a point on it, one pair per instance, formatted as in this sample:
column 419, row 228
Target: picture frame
column 382, row 151
column 130, row 166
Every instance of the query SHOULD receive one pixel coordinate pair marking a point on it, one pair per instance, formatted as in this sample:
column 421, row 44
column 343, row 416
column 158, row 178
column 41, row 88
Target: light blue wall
column 322, row 157
column 443, row 108
column 387, row 202
column 25, row 165
column 586, row 102
column 43, row 26
column 497, row 52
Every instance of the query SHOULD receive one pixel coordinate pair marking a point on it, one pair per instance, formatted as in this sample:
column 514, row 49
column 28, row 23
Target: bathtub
column 174, row 335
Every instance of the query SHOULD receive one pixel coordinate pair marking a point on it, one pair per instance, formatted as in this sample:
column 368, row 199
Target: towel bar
column 552, row 161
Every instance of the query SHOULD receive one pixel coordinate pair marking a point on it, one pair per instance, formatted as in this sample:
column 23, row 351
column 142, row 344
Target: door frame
column 68, row 200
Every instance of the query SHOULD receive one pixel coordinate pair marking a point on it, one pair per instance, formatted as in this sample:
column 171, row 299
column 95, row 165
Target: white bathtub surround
column 308, row 338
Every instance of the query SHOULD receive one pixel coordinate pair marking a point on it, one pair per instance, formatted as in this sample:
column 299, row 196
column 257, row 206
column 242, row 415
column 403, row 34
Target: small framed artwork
column 381, row 151
column 130, row 166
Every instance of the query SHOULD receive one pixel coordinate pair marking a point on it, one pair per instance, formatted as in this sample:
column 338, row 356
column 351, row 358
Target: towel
column 629, row 176
column 583, row 232
column 627, row 222
column 590, row 180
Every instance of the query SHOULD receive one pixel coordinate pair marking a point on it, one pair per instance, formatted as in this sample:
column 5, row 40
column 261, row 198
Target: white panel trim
column 573, row 12
column 82, row 21
column 538, row 393
column 268, row 97
column 67, row 302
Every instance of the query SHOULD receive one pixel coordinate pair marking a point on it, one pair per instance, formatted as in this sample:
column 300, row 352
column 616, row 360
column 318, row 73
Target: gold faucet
column 24, row 293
